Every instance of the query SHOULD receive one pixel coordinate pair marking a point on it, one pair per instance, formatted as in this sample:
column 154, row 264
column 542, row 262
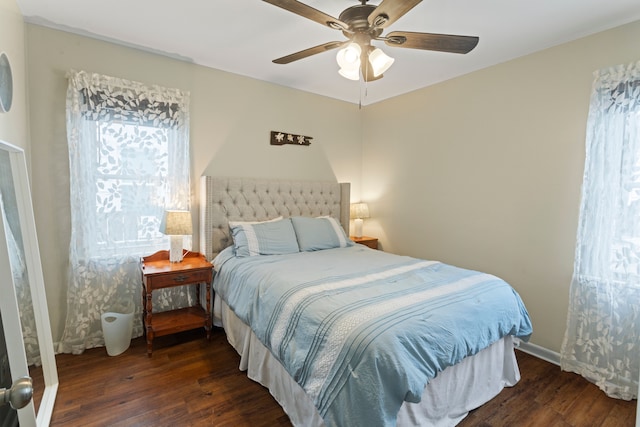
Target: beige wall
column 13, row 124
column 484, row 171
column 231, row 117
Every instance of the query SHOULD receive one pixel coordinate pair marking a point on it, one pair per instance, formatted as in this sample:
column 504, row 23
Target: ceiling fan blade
column 310, row 13
column 427, row 41
column 389, row 11
column 308, row 52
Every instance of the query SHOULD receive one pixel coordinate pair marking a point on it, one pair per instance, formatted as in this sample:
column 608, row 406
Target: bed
column 344, row 335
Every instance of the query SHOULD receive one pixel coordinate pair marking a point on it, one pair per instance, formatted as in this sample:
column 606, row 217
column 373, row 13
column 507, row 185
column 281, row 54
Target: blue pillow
column 315, row 234
column 263, row 238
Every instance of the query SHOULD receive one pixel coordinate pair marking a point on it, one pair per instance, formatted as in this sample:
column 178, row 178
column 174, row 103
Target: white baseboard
column 540, row 352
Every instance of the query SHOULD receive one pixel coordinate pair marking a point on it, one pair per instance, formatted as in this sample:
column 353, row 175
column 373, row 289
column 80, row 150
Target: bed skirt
column 446, row 400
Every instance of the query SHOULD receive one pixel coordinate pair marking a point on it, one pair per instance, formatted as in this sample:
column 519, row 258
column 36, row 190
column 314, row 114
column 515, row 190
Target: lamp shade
column 380, row 61
column 348, row 59
column 349, row 56
column 351, row 74
column 176, row 223
column 359, row 211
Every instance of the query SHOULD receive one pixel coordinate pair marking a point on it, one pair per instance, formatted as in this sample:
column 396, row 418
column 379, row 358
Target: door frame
column 9, row 306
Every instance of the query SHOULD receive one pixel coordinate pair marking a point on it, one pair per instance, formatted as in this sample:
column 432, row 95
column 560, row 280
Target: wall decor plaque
column 282, row 138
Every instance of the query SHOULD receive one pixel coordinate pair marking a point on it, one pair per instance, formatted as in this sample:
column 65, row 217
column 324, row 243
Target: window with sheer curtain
column 128, row 162
column 602, row 339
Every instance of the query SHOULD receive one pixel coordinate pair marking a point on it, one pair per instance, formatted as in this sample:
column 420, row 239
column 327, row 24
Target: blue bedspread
column 363, row 330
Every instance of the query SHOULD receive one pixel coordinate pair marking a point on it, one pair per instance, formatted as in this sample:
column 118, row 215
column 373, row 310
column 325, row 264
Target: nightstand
column 371, row 242
column 159, row 273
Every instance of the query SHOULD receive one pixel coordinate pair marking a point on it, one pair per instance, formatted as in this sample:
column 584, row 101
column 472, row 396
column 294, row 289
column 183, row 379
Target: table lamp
column 176, row 224
column 358, row 211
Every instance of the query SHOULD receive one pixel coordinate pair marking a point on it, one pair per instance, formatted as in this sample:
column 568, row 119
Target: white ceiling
column 244, row 36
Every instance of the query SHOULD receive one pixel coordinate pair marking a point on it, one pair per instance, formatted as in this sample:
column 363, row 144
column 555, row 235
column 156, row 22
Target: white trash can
column 117, row 327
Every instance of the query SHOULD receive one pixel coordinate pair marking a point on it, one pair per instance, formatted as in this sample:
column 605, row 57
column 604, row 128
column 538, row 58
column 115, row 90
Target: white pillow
column 236, row 223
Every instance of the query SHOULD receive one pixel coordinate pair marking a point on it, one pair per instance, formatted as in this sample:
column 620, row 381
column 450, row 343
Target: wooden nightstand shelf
column 158, row 273
column 371, row 242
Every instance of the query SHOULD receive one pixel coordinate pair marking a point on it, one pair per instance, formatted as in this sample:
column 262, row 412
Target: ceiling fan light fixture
column 364, row 23
column 380, row 61
column 349, row 57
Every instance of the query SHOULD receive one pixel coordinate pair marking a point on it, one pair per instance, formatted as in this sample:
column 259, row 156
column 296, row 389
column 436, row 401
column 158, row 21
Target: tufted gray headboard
column 224, row 199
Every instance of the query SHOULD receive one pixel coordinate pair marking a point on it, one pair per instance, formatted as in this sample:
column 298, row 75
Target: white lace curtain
column 602, row 339
column 128, row 162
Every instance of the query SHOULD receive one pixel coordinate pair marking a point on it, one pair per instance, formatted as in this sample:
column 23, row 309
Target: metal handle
column 19, row 395
column 180, row 278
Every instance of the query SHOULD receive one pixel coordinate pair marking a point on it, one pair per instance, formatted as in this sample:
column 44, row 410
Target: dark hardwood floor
column 192, row 382
column 546, row 396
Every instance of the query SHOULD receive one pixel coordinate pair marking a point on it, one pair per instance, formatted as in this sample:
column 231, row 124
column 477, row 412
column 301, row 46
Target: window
column 131, row 165
column 602, row 338
column 128, row 163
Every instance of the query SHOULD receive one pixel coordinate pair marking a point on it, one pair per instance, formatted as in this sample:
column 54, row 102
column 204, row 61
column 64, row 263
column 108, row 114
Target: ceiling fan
column 362, row 24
